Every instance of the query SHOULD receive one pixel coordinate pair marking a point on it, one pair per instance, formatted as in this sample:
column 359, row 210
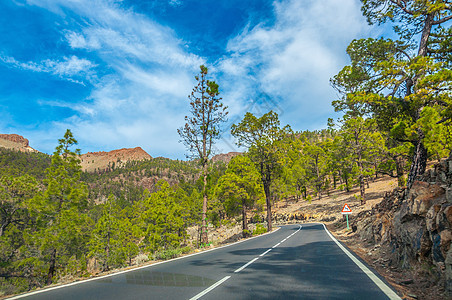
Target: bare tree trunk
column 204, row 236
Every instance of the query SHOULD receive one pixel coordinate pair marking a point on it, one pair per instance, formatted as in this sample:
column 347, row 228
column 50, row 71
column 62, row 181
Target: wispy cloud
column 292, row 60
column 66, row 68
column 175, row 3
column 140, row 97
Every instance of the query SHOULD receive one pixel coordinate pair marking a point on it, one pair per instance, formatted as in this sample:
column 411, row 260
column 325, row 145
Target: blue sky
column 118, row 73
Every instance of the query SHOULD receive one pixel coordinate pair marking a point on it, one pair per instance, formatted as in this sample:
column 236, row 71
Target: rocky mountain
column 226, row 158
column 93, row 161
column 15, row 141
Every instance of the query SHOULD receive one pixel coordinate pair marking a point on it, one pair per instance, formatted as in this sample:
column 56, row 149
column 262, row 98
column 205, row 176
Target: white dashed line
column 241, row 268
column 265, row 252
column 210, row 288
column 246, row 265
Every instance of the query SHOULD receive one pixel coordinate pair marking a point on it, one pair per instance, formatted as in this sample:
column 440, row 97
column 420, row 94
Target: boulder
column 448, row 272
column 423, row 195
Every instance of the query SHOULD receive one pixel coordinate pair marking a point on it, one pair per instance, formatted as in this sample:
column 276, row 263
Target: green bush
column 260, row 229
column 170, row 253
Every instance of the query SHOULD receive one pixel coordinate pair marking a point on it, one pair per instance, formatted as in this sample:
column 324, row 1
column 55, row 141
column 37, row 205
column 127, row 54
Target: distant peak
column 15, row 141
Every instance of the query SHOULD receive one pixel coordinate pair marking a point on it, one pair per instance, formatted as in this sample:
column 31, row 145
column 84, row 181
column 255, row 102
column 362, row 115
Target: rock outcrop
column 226, row 158
column 415, row 225
column 15, row 141
column 93, row 161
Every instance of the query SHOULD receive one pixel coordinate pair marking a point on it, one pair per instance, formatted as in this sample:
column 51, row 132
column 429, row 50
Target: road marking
column 239, row 269
column 246, row 265
column 383, row 287
column 265, row 252
column 210, row 288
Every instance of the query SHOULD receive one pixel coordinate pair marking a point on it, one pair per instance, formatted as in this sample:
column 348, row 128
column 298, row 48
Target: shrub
column 260, row 229
column 141, row 259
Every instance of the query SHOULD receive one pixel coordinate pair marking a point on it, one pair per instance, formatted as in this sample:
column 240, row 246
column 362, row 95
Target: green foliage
column 266, row 142
column 171, row 253
column 59, row 212
column 240, row 188
column 17, row 163
column 260, row 229
column 114, row 239
column 162, row 217
column 392, row 83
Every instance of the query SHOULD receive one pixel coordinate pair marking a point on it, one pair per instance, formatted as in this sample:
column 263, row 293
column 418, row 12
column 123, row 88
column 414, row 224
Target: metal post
column 348, row 228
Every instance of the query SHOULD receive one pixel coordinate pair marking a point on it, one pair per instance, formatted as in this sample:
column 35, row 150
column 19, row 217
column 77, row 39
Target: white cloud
column 143, row 98
column 293, row 60
column 145, row 72
column 68, row 68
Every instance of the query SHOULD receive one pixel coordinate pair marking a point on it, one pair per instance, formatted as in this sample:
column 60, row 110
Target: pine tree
column 395, row 81
column 265, row 141
column 202, row 129
column 240, row 188
column 62, row 227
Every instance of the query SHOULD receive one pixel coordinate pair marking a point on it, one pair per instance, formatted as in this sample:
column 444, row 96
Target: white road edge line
column 276, row 245
column 134, row 269
column 383, row 287
column 265, row 252
column 246, row 265
column 210, row 288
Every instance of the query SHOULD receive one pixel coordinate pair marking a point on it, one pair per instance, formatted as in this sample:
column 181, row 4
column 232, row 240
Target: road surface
column 295, row 262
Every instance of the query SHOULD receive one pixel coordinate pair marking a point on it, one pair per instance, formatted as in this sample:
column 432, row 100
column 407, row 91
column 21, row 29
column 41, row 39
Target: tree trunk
column 52, row 267
column 334, row 181
column 347, row 189
column 362, row 190
column 269, row 206
column 399, row 170
column 3, row 227
column 244, row 221
column 419, row 162
column 204, row 236
column 428, row 23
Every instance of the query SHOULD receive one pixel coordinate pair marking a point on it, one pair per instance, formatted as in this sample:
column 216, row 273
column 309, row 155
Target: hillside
column 100, row 161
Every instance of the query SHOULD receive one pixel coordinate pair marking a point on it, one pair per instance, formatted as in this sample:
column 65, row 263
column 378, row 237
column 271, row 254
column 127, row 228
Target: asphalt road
column 295, row 262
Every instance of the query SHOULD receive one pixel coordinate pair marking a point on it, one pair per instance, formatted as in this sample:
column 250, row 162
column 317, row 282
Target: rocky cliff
column 15, row 141
column 93, row 161
column 414, row 227
column 226, row 158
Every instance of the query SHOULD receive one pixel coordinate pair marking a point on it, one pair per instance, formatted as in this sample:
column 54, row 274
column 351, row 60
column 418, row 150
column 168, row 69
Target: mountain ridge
column 100, row 160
